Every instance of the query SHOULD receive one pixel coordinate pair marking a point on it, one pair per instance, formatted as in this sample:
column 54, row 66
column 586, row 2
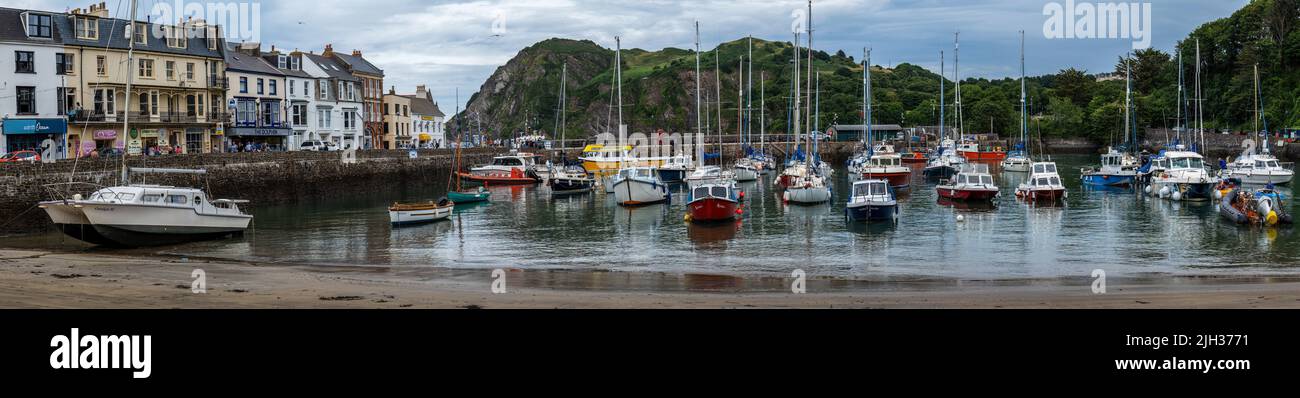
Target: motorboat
column 1117, row 169
column 1043, row 184
column 1178, row 175
column 713, row 202
column 871, row 200
column 638, row 186
column 147, row 215
column 973, row 183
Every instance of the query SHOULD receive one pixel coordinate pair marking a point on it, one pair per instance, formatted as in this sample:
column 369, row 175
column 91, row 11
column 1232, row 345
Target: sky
column 450, row 45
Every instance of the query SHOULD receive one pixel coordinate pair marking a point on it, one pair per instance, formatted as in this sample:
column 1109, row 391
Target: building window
column 39, row 25
column 67, row 100
column 170, row 70
column 273, row 89
column 298, row 114
column 342, row 93
column 386, row 108
column 295, row 63
column 175, row 37
column 200, row 104
column 146, row 68
column 271, row 113
column 138, row 33
column 87, row 28
column 144, row 103
column 24, row 62
column 153, row 103
column 189, row 71
column 282, row 62
column 212, row 38
column 243, row 85
column 63, row 64
column 101, row 65
column 306, row 88
column 324, row 88
column 260, row 88
column 26, row 100
column 292, row 90
column 191, row 105
column 246, row 113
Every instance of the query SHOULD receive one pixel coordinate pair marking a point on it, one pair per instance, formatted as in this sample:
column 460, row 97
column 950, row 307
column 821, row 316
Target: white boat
column 676, row 168
column 151, row 215
column 639, row 186
column 503, row 166
column 1260, row 169
column 1117, row 169
column 746, row 170
column 708, row 173
column 1179, row 175
column 1043, row 184
column 418, row 213
column 808, row 189
column 1017, row 161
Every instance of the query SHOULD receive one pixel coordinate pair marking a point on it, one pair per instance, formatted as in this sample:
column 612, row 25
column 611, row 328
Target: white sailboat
column 1018, row 159
column 807, row 181
column 1259, row 168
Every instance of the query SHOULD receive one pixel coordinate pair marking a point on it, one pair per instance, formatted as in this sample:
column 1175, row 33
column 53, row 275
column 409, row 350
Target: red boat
column 971, row 151
column 973, row 183
column 513, row 177
column 714, row 203
column 914, row 157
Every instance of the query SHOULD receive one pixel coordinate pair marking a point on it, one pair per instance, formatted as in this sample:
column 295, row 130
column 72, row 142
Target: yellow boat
column 599, row 160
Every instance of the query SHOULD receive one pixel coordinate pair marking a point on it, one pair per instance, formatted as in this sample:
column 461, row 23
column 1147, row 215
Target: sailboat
column 946, row 161
column 459, row 194
column 634, row 185
column 1259, row 168
column 565, row 180
column 1018, row 159
column 806, row 181
column 1118, row 168
column 876, row 161
column 746, row 168
column 1180, row 174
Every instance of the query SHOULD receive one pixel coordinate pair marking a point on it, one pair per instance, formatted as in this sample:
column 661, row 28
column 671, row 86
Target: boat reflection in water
column 967, row 205
column 713, row 235
column 637, row 220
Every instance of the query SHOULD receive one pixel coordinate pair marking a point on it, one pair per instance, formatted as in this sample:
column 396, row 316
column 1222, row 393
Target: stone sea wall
column 263, row 178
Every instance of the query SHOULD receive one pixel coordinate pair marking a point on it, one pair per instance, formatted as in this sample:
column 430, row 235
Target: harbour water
column 1119, row 231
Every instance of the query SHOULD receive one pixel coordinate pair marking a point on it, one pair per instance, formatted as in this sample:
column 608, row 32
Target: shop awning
column 425, row 137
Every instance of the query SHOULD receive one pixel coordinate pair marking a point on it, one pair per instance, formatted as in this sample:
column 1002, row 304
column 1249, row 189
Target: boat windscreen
column 986, row 180
column 720, row 192
column 700, row 192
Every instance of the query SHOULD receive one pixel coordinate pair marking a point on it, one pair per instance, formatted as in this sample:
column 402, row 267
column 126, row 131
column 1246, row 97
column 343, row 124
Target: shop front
column 105, row 139
column 258, row 139
column 27, row 135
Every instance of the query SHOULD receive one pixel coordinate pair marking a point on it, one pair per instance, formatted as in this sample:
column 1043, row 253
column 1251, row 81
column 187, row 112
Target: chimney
column 392, row 90
column 356, row 53
column 98, row 10
column 421, row 91
column 329, row 50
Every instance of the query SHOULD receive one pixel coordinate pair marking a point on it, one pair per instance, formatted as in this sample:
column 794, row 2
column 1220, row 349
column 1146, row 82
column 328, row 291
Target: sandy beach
column 49, row 279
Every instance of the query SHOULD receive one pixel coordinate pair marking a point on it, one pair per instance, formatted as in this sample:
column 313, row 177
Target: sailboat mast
column 956, row 78
column 1178, row 119
column 942, row 72
column 762, row 113
column 1024, row 127
column 618, row 75
column 740, row 111
column 130, row 63
column 749, row 96
column 866, row 82
column 1200, row 102
column 1128, row 96
column 797, row 109
column 699, row 126
column 865, row 98
column 717, row 95
column 564, row 98
column 808, row 120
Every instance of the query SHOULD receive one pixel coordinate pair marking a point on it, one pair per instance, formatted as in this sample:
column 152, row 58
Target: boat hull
column 422, row 216
column 966, row 194
column 1041, row 195
column 813, row 195
column 152, row 225
column 984, row 156
column 744, row 174
column 712, row 210
column 1252, row 178
column 633, row 192
column 1188, row 191
column 939, row 172
column 567, row 186
column 872, row 211
column 1108, row 180
column 70, row 220
column 897, row 180
column 468, row 197
column 498, row 179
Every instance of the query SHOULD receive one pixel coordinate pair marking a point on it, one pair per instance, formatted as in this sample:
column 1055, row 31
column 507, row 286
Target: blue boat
column 871, row 200
column 1117, row 170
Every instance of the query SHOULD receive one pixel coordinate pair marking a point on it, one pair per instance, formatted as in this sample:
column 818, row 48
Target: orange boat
column 971, row 151
column 914, row 157
column 513, row 177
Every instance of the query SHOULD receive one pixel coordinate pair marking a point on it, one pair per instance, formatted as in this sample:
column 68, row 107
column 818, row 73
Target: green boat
column 481, row 195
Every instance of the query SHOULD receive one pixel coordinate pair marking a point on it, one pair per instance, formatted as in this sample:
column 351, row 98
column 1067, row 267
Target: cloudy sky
column 458, row 44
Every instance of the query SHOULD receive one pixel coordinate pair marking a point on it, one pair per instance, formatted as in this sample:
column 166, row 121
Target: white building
column 33, row 75
column 427, row 130
column 299, row 97
column 335, row 104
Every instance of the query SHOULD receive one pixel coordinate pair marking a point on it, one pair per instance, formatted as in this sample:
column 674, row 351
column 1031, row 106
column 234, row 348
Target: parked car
column 313, row 145
column 20, row 156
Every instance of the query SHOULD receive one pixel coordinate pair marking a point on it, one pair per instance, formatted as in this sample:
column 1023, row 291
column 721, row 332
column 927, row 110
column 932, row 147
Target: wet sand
column 51, row 279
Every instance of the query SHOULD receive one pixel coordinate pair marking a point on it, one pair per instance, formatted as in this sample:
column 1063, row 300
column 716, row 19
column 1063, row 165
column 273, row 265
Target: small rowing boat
column 418, row 213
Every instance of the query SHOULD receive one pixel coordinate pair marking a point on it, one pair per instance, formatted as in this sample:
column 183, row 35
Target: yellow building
column 397, row 120
column 177, row 99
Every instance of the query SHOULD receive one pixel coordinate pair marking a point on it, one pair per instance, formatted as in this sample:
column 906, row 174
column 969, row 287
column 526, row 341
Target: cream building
column 397, row 121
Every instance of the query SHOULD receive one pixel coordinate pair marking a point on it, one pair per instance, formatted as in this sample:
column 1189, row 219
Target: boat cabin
column 642, row 173
column 713, row 190
column 870, row 189
column 166, row 196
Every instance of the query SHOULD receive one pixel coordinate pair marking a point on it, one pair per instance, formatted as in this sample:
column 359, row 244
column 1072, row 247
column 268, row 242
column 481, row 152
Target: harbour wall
column 261, row 177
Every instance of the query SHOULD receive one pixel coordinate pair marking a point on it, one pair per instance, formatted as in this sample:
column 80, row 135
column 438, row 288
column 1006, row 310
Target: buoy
column 1218, row 194
column 1147, row 189
column 1164, row 192
column 1271, row 220
column 686, row 218
column 961, row 218
column 1176, row 196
